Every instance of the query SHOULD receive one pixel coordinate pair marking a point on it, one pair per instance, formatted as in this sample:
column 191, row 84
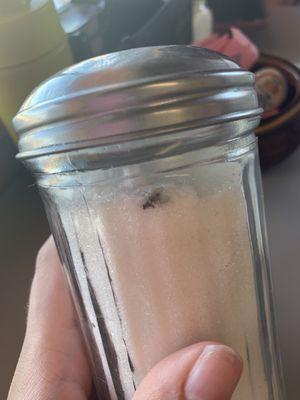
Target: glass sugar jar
column 147, row 164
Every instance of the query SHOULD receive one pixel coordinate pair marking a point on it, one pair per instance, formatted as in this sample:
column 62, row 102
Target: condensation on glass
column 147, row 163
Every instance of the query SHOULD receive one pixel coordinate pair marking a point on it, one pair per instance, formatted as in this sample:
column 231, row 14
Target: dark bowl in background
column 279, row 136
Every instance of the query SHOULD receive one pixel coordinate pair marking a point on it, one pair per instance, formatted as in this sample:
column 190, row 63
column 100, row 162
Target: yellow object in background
column 33, row 46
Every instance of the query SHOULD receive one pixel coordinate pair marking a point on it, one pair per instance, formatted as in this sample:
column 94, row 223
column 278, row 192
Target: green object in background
column 33, row 46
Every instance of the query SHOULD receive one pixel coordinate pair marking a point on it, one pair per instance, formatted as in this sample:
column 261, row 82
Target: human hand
column 53, row 363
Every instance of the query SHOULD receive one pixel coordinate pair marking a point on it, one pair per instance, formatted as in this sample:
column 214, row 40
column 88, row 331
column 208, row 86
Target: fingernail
column 214, row 375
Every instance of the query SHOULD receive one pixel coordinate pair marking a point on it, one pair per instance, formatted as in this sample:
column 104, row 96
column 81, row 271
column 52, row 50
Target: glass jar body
column 166, row 250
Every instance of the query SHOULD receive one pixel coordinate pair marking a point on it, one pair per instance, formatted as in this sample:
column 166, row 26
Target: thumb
column 204, row 371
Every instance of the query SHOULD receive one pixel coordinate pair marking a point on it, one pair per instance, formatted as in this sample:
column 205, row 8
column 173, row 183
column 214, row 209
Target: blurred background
column 40, row 37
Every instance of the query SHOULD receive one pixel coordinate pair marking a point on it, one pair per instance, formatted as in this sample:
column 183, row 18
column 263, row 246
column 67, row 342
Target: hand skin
column 53, row 363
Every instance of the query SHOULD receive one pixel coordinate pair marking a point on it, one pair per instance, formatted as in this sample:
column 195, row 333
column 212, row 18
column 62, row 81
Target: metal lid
column 134, row 92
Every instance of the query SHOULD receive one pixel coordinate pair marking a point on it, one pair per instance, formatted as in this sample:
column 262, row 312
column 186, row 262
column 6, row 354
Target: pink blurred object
column 234, row 44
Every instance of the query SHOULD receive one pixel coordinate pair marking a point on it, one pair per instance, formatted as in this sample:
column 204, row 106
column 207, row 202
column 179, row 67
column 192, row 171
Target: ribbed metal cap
column 134, row 92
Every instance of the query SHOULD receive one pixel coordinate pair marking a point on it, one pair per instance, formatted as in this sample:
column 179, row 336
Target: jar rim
column 139, row 149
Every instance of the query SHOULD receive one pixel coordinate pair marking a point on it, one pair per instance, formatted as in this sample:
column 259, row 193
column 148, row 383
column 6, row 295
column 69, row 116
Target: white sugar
column 183, row 272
